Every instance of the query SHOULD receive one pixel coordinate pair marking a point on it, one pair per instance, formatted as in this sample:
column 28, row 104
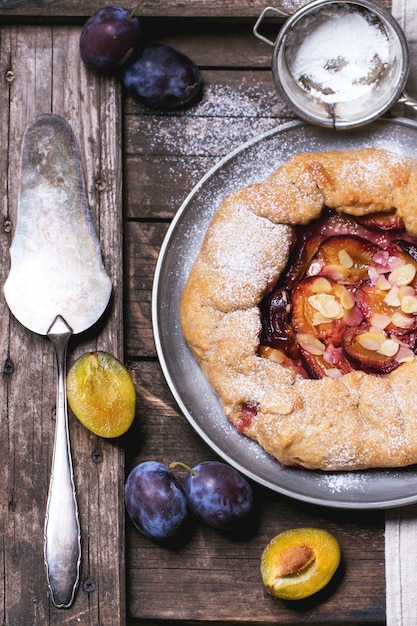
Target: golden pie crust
column 354, row 422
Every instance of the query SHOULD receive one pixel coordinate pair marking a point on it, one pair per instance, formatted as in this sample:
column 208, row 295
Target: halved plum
column 345, row 259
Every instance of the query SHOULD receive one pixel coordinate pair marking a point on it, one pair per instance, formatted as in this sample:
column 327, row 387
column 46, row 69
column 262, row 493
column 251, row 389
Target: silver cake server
column 57, row 286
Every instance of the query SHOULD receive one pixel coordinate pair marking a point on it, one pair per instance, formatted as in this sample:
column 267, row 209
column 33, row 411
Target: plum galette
column 301, row 309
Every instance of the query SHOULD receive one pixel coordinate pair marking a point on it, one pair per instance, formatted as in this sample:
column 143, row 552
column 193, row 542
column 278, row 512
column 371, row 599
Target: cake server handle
column 62, row 527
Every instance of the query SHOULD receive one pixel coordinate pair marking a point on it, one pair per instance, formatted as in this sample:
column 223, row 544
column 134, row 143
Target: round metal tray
column 372, row 489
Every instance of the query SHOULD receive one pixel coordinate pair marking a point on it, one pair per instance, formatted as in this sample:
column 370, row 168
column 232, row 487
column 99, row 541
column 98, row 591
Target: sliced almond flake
column 272, row 354
column 405, row 355
column 402, row 275
column 333, row 372
column 334, row 271
column 379, row 320
column 345, row 259
column 327, row 305
column 371, row 340
column 402, row 321
column 319, row 318
column 409, row 304
column 346, row 297
column 311, row 344
column 392, row 297
column 406, row 290
column 389, row 348
column 321, row 285
column 383, row 283
column 314, row 268
column 398, row 340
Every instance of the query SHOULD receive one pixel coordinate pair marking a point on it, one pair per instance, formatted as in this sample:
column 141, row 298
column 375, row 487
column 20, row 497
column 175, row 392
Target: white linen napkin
column 400, row 566
column 405, row 12
column 401, row 523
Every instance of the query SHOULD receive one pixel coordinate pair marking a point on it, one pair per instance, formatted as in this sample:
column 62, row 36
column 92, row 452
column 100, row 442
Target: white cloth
column 401, row 566
column 401, row 523
column 405, row 12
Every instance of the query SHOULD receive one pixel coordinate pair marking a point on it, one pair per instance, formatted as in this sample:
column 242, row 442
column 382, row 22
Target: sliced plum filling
column 347, row 299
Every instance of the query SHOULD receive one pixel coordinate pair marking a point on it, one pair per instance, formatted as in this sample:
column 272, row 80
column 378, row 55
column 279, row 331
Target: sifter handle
column 260, row 19
column 407, row 100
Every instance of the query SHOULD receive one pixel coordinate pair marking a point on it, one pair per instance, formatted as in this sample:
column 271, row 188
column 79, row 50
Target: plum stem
column 176, row 464
column 132, row 14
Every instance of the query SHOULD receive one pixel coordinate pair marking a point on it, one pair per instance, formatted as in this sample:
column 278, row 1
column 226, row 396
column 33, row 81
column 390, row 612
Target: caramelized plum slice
column 277, row 330
column 346, row 259
column 408, row 247
column 321, row 311
column 382, row 221
column 330, row 362
column 320, row 307
column 369, row 350
column 300, row 260
column 331, row 224
column 402, row 252
column 388, row 310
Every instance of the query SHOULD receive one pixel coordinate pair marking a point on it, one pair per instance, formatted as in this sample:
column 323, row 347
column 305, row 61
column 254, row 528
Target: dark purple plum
column 218, row 495
column 155, row 500
column 162, row 76
column 108, row 39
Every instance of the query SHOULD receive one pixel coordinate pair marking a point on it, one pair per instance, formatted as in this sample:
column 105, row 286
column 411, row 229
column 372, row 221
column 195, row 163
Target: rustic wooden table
column 140, row 164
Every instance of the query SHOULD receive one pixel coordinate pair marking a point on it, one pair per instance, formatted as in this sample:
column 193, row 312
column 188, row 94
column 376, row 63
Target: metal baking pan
column 372, row 489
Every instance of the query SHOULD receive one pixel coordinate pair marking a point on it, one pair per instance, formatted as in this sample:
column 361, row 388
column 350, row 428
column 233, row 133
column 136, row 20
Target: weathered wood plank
column 165, row 155
column 210, row 43
column 236, row 105
column 41, row 80
column 142, row 244
column 165, row 8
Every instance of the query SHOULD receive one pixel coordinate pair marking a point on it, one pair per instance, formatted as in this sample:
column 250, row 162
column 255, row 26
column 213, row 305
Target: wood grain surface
column 210, row 578
column 38, row 79
column 80, row 9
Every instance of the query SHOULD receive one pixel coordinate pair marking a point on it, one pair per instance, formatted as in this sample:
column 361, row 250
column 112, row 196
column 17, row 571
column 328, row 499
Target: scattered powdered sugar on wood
column 247, row 110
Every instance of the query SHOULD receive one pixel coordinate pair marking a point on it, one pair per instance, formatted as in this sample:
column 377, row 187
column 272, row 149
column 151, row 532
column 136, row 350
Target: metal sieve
column 318, row 68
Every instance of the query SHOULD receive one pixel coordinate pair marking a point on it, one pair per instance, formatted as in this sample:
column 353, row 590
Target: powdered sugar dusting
column 342, row 482
column 338, row 55
column 233, row 254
